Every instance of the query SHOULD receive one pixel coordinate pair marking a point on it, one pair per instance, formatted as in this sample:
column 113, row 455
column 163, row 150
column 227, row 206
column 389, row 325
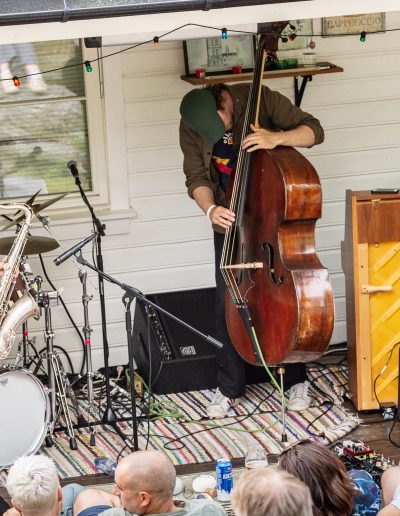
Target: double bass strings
column 238, row 190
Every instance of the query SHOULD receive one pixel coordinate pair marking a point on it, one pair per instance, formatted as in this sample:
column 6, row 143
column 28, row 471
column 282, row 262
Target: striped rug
column 178, row 426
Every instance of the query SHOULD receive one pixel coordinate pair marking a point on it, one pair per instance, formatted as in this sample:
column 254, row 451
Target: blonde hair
column 32, row 483
column 270, row 492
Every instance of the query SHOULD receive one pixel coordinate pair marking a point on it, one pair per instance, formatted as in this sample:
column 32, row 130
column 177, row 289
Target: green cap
column 199, row 112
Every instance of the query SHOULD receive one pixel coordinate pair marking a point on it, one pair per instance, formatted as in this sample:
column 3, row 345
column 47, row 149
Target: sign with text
column 371, row 22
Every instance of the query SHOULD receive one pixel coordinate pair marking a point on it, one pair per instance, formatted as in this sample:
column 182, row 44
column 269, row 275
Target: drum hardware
column 88, row 354
column 23, row 353
column 24, row 283
column 58, row 383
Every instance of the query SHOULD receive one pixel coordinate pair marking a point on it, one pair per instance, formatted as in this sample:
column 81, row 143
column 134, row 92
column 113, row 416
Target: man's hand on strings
column 261, row 139
column 222, row 217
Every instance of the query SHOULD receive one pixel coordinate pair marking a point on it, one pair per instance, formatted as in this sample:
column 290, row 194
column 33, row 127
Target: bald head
column 149, row 471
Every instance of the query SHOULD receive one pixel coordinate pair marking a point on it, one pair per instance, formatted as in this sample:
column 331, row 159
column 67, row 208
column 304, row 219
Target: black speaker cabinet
column 168, row 355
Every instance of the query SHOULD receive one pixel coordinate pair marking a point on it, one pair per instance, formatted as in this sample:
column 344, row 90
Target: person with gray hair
column 270, row 492
column 35, row 490
column 144, row 484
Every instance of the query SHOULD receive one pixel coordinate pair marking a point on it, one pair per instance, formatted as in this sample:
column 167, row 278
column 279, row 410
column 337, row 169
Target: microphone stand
column 109, row 415
column 130, row 294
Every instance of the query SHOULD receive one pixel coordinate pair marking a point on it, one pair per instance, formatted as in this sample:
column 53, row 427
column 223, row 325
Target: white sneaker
column 220, row 405
column 9, row 87
column 37, row 84
column 299, row 398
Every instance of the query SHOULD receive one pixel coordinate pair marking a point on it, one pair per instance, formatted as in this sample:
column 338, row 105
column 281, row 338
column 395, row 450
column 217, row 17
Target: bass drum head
column 24, row 407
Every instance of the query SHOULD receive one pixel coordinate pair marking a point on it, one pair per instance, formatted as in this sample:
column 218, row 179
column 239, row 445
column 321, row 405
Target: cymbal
column 36, row 208
column 34, row 245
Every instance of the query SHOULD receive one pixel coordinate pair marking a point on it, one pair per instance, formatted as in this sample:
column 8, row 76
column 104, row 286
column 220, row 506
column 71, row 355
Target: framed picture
column 303, row 31
column 217, row 55
column 353, row 24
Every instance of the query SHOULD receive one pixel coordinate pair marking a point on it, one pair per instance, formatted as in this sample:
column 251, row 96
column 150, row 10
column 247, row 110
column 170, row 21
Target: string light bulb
column 284, row 39
column 312, row 44
column 88, row 66
column 363, row 36
column 224, row 33
column 16, row 81
column 292, row 37
column 156, row 40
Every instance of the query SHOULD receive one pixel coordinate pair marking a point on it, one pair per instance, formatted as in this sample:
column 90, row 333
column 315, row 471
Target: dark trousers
column 232, row 369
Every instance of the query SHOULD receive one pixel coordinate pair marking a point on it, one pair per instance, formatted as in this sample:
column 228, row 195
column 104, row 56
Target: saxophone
column 25, row 306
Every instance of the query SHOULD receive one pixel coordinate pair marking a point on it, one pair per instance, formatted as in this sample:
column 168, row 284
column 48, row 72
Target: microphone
column 66, row 254
column 73, row 168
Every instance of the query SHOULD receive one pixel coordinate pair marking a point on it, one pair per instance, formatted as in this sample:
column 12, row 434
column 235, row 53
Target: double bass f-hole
column 269, row 250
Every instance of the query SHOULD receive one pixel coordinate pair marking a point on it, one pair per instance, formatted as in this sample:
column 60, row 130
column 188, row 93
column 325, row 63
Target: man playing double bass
column 210, row 134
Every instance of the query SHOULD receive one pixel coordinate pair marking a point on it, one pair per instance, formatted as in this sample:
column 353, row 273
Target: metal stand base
column 284, row 439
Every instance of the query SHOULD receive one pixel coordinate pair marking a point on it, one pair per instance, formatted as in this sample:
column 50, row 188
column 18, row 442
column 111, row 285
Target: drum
column 25, row 413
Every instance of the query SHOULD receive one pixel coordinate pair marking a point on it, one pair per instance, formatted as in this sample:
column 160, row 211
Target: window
column 44, row 122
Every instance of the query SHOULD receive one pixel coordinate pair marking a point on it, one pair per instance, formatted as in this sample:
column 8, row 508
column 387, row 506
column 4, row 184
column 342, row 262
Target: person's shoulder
column 115, row 512
column 204, row 508
column 240, row 89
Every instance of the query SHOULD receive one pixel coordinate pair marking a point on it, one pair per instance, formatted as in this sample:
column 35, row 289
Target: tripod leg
column 92, row 429
column 49, row 441
column 19, row 355
column 281, row 372
column 60, row 383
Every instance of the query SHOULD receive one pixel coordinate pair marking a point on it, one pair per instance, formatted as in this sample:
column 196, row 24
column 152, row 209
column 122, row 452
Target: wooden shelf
column 306, row 72
column 302, row 71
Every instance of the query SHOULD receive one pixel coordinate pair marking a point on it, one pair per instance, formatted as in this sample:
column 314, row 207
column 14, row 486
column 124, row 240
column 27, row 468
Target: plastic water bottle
column 255, row 457
column 104, row 465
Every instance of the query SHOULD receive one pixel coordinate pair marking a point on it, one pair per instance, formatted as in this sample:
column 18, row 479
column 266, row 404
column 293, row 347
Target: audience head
column 33, row 485
column 145, row 482
column 390, row 481
column 270, row 492
column 324, row 473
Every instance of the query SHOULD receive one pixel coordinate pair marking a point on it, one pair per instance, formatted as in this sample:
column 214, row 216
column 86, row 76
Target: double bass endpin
column 251, row 265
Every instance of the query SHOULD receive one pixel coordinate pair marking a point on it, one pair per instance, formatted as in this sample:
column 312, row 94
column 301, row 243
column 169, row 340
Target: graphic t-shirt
column 224, row 158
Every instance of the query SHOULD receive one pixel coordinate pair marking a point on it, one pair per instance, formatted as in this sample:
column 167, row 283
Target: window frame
column 104, row 116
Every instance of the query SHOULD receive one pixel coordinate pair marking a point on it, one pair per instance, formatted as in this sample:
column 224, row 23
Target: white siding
column 168, row 245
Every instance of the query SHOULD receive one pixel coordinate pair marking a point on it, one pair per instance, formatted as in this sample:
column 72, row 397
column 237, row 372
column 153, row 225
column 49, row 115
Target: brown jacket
column 276, row 113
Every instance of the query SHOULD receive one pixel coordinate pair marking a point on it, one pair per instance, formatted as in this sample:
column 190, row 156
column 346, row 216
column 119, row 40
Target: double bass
column 279, row 303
